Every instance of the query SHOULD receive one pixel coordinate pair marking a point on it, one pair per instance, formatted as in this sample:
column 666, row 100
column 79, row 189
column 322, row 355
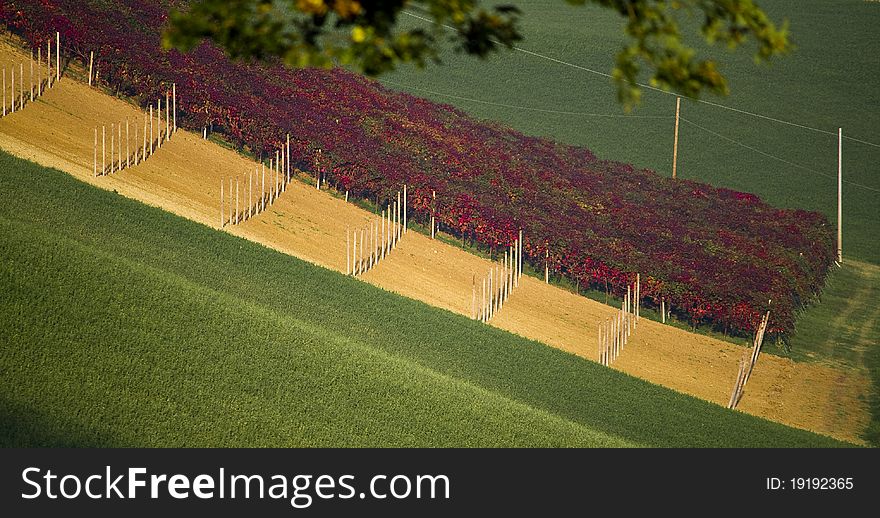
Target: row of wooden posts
column 35, row 81
column 747, row 363
column 498, row 284
column 232, row 212
column 152, row 139
column 615, row 332
column 365, row 247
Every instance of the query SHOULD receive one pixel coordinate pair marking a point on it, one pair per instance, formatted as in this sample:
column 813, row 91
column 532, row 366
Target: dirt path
column 184, row 177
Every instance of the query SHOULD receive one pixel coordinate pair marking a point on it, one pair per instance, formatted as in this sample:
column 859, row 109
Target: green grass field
column 830, row 81
column 124, row 325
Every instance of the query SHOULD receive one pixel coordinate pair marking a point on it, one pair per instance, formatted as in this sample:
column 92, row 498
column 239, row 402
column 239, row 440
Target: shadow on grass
column 23, row 427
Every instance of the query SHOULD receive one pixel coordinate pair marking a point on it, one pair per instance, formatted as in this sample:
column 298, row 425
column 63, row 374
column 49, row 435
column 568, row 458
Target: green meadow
column 124, row 325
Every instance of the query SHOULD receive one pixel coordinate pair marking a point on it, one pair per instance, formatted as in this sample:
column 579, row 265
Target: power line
column 653, row 88
column 774, row 157
column 528, row 108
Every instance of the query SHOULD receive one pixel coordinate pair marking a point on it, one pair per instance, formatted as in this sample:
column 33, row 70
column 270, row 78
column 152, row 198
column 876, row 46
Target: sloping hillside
column 708, row 250
column 184, row 177
column 124, row 325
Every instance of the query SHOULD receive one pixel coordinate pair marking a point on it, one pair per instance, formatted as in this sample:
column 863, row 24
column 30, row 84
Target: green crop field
column 124, row 325
column 831, row 80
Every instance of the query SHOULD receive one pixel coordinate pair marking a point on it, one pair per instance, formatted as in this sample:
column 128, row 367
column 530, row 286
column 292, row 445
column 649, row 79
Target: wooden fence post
column 57, row 56
column 174, row 94
column 404, row 209
column 263, row 188
column 433, row 208
column 127, row 146
column 222, row 221
column 39, row 70
column 119, row 140
column 237, row 211
column 547, row 266
column 4, row 91
column 112, row 148
column 91, row 65
column 347, row 251
column 250, row 194
column 12, row 88
column 151, row 130
column 167, row 116
column 144, row 149
column 95, row 168
column 49, row 62
column 31, row 78
column 399, row 212
column 159, row 124
column 103, row 149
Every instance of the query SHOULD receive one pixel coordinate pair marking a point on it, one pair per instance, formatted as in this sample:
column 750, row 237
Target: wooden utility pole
column 840, row 195
column 675, row 141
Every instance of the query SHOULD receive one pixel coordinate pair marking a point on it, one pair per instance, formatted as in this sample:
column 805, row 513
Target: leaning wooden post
column 840, row 195
column 91, row 65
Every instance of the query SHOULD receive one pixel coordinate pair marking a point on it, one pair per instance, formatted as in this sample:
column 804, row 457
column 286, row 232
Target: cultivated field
column 125, row 325
column 184, row 178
